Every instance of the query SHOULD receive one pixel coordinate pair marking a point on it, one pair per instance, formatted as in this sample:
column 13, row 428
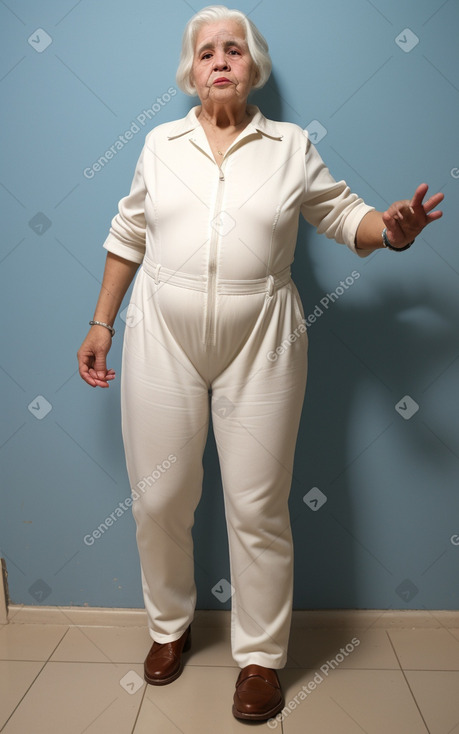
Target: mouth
column 222, row 80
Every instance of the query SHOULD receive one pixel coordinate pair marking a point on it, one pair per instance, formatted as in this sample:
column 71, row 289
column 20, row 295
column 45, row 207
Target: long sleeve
column 128, row 228
column 329, row 205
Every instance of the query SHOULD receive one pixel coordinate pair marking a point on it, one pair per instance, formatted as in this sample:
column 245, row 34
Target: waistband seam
column 225, row 286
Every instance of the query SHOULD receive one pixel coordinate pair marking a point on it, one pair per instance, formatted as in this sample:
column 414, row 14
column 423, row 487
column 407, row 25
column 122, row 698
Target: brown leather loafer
column 163, row 663
column 258, row 694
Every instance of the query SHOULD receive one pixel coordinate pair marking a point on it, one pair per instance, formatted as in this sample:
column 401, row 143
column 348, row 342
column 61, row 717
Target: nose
column 220, row 61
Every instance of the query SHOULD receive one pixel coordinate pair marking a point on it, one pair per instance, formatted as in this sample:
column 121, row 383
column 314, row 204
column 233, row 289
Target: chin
column 225, row 93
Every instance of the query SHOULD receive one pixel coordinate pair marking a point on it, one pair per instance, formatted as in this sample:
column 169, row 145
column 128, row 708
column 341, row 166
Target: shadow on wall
column 373, row 350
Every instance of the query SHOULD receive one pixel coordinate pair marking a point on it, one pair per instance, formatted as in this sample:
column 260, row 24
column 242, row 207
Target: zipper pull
column 221, row 175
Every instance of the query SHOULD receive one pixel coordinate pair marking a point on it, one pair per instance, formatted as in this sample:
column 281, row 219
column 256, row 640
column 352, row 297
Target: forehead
column 219, row 32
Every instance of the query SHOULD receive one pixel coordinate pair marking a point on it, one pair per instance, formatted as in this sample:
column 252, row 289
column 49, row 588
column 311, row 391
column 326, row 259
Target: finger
column 419, row 194
column 404, row 211
column 98, row 374
column 100, row 379
column 399, row 209
column 395, row 207
column 98, row 382
column 433, row 201
column 87, row 378
column 101, row 375
column 85, row 371
column 390, row 219
column 91, row 376
column 100, row 365
column 435, row 215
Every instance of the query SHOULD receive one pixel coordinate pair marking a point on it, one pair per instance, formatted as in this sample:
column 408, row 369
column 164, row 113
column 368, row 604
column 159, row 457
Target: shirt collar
column 258, row 123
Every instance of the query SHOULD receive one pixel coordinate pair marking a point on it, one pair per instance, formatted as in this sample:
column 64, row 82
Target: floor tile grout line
column 431, row 670
column 407, row 683
column 223, row 666
column 136, row 720
column 29, row 687
column 101, row 713
column 153, row 703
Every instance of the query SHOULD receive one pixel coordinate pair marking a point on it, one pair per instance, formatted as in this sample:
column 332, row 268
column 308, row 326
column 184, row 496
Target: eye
column 206, row 56
column 235, row 51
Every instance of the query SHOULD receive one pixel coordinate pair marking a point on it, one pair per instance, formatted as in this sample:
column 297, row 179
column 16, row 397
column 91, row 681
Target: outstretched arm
column 404, row 220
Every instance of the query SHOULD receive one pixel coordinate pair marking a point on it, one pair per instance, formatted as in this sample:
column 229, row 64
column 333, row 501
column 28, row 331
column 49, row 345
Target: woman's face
column 223, row 70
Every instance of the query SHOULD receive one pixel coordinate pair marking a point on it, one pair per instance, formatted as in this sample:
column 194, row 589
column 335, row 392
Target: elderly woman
column 212, row 217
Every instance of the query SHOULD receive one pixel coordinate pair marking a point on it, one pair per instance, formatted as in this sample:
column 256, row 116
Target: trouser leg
column 256, row 408
column 165, row 407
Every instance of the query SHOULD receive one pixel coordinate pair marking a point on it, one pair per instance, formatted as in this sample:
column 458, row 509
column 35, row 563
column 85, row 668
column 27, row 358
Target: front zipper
column 211, row 305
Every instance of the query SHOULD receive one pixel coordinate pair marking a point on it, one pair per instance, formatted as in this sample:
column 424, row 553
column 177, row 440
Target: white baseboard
column 326, row 618
column 77, row 616
column 376, row 618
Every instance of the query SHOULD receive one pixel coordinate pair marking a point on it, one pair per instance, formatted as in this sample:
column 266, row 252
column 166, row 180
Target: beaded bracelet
column 387, row 244
column 107, row 326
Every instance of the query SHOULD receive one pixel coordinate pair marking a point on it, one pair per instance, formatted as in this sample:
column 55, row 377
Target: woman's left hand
column 405, row 219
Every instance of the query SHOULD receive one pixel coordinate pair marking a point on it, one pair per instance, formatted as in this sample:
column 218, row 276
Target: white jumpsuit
column 210, row 305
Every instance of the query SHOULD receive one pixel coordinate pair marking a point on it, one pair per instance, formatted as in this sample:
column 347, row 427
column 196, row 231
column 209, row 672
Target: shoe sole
column 174, row 676
column 258, row 717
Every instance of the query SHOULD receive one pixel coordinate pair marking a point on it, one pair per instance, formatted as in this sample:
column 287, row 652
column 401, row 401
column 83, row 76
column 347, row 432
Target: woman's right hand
column 92, row 355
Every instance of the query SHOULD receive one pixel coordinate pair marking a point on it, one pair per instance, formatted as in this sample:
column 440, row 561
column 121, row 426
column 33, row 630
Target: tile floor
column 87, row 679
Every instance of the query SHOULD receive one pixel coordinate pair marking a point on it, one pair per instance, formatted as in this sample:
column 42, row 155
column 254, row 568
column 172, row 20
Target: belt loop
column 157, row 269
column 270, row 285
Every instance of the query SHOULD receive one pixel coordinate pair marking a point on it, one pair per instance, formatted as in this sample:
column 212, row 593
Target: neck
column 223, row 116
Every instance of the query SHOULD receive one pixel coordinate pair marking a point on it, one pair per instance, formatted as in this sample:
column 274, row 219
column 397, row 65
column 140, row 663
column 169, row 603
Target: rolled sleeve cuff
column 351, row 226
column 112, row 244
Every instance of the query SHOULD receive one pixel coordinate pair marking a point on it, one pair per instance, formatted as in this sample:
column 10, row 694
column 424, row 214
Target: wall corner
column 3, row 592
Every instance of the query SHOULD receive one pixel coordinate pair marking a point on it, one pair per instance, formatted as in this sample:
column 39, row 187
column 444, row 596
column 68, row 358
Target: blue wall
column 387, row 535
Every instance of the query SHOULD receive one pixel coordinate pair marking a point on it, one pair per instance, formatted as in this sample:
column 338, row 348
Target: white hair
column 257, row 45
